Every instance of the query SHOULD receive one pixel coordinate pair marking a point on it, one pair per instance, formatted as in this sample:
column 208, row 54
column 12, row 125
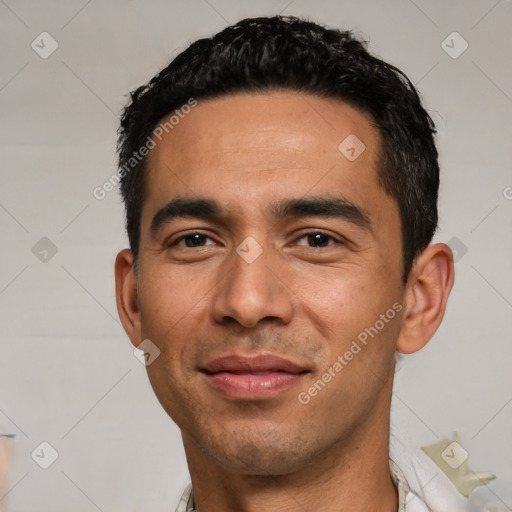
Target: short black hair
column 286, row 52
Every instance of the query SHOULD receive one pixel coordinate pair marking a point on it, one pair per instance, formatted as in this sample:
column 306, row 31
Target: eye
column 318, row 239
column 314, row 239
column 191, row 240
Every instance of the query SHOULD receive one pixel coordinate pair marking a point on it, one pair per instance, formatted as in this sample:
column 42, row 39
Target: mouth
column 263, row 376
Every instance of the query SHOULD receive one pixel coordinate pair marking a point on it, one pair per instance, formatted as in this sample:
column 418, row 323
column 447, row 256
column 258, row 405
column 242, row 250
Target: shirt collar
column 401, row 484
column 186, row 503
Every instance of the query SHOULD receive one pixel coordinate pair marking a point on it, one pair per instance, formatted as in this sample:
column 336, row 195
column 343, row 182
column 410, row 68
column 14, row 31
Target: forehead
column 248, row 149
column 290, row 125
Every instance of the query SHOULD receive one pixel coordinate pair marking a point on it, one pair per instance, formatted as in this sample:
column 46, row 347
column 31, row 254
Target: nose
column 253, row 291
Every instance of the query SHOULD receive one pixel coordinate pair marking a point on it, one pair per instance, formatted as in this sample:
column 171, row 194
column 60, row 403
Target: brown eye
column 192, row 240
column 318, row 239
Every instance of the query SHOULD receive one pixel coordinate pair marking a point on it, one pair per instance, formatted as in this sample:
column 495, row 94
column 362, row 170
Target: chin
column 258, row 453
column 253, row 461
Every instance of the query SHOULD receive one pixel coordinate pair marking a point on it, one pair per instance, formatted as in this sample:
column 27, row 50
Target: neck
column 351, row 475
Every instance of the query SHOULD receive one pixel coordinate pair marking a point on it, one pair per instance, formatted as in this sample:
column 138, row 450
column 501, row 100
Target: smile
column 254, row 378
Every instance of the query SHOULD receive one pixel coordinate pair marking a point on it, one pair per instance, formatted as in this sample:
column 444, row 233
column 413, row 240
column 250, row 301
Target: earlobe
column 429, row 285
column 126, row 296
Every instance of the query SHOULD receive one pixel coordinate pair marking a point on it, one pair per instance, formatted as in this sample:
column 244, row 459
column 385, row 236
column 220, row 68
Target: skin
column 296, row 300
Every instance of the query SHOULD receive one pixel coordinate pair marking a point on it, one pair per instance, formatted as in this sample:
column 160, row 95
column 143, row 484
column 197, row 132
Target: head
column 286, row 211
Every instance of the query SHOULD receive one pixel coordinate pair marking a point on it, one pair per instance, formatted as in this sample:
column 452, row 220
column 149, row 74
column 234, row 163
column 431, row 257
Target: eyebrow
column 206, row 208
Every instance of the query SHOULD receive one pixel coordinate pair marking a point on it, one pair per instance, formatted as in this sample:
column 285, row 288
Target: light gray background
column 68, row 375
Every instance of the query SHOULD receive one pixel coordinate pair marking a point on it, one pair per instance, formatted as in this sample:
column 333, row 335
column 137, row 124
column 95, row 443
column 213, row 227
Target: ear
column 427, row 290
column 126, row 296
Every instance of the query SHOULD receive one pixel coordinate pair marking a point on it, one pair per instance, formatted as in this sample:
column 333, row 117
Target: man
column 280, row 186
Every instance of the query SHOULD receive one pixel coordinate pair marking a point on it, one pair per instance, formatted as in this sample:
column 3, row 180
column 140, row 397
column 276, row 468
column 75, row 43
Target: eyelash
column 189, row 235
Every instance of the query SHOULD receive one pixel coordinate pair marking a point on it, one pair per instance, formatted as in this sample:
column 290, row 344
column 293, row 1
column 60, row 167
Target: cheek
column 166, row 297
column 362, row 327
column 354, row 307
column 341, row 298
column 169, row 311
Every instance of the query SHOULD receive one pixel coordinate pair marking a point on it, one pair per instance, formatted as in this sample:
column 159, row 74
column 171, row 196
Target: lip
column 255, row 377
column 257, row 363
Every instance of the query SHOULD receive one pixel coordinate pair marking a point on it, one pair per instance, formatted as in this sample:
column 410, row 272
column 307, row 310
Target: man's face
column 301, row 286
